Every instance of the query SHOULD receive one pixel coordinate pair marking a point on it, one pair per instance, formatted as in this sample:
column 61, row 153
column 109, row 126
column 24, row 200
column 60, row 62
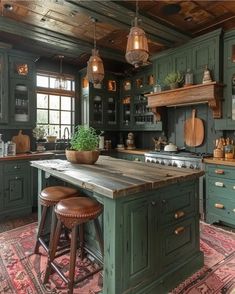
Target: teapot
column 171, row 147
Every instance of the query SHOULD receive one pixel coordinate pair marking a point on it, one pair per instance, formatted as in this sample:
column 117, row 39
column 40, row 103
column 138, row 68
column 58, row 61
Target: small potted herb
column 84, row 144
column 173, row 80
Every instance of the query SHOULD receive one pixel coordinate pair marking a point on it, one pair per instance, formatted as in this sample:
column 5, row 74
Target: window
column 55, row 107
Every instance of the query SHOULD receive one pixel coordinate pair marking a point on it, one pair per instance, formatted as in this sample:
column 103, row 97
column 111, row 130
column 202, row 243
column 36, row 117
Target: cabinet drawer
column 221, row 187
column 221, row 206
column 16, row 167
column 179, row 207
column 178, row 241
column 221, row 171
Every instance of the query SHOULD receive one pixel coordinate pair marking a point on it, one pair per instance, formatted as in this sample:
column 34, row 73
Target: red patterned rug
column 218, row 274
column 21, row 271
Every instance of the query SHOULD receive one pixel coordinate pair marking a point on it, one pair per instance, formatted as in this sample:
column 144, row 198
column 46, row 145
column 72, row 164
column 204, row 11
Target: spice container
column 11, row 148
column 228, row 151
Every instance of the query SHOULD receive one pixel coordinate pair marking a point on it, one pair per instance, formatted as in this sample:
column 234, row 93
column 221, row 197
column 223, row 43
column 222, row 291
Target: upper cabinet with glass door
column 3, row 87
column 22, row 89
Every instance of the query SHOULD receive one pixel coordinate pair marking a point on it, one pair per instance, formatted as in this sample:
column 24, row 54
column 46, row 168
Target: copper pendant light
column 95, row 68
column 137, row 52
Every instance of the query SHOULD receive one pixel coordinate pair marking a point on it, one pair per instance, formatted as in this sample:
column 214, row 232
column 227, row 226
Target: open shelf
column 210, row 93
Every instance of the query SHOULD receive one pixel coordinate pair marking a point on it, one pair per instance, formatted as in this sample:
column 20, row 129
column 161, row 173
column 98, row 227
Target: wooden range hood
column 210, row 93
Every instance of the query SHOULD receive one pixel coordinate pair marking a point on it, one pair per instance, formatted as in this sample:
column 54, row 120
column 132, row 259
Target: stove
column 181, row 159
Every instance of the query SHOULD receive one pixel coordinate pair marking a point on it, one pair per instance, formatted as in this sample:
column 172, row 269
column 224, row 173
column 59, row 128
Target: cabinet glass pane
column 126, row 102
column 112, row 113
column 98, row 110
column 21, row 96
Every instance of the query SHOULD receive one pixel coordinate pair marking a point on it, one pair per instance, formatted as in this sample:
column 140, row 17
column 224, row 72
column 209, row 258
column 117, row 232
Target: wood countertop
column 27, row 156
column 133, row 151
column 221, row 161
column 115, row 178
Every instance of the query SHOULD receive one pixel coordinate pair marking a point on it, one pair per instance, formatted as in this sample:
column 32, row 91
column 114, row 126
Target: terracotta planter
column 86, row 157
column 51, row 139
column 174, row 86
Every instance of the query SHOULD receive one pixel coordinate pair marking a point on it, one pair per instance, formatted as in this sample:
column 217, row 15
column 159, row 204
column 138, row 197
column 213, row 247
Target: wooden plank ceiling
column 52, row 27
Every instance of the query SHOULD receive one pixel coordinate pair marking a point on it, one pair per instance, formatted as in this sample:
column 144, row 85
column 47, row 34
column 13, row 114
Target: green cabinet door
column 182, row 60
column 3, row 87
column 162, row 67
column 139, row 218
column 23, row 103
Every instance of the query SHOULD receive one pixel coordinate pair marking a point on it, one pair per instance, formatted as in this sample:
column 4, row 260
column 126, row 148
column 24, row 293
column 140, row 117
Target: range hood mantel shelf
column 210, row 93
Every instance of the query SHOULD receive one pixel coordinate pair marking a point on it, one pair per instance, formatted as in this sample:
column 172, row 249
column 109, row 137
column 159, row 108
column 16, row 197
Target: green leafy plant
column 84, row 139
column 174, row 78
column 39, row 132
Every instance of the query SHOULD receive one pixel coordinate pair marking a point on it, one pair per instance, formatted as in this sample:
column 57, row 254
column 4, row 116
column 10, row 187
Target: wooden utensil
column 22, row 142
column 193, row 131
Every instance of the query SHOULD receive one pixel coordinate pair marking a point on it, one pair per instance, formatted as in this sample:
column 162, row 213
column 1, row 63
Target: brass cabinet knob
column 179, row 230
column 179, row 214
column 219, row 205
column 219, row 171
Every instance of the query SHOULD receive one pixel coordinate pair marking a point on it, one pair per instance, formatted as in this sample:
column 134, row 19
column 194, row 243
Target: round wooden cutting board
column 193, row 131
column 22, row 142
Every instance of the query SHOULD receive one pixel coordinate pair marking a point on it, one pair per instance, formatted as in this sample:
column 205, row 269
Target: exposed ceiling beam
column 61, row 42
column 116, row 14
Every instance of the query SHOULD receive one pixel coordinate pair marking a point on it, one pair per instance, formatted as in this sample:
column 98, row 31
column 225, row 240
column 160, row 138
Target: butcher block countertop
column 134, row 151
column 222, row 161
column 27, row 156
column 115, row 178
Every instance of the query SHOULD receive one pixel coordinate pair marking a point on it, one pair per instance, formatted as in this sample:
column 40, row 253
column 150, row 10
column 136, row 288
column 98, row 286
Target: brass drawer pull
column 233, row 187
column 219, row 205
column 234, row 210
column 179, row 214
column 179, row 230
column 219, row 184
column 219, row 171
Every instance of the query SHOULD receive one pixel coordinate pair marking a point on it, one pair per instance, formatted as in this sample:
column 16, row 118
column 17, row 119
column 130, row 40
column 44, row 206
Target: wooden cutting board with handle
column 22, row 142
column 193, row 130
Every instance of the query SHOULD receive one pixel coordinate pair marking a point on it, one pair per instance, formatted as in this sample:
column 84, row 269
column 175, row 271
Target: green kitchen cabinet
column 16, row 189
column 220, row 187
column 160, row 232
column 22, row 81
column 228, row 120
column 100, row 102
column 3, row 87
column 182, row 61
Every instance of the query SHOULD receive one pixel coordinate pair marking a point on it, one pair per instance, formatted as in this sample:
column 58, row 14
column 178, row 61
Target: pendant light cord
column 94, row 20
column 136, row 14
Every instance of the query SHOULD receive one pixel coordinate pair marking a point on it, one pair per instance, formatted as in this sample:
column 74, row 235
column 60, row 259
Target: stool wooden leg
column 41, row 228
column 53, row 226
column 73, row 251
column 52, row 251
column 99, row 235
column 81, row 240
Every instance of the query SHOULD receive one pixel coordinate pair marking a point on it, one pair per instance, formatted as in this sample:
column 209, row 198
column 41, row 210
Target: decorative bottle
column 157, row 88
column 188, row 78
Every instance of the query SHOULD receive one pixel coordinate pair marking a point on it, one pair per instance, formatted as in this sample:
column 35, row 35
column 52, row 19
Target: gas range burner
column 184, row 153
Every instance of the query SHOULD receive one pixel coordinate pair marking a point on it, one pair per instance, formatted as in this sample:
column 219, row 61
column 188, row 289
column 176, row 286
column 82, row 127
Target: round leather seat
column 52, row 195
column 77, row 210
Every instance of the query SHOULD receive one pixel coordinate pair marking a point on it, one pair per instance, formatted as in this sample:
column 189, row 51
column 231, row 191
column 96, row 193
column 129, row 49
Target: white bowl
column 170, row 147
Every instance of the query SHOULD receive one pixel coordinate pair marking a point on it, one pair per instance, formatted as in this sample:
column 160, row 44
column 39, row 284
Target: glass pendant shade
column 60, row 81
column 95, row 68
column 137, row 47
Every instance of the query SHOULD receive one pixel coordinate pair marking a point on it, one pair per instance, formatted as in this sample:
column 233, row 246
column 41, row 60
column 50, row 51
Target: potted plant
column 174, row 79
column 39, row 132
column 84, row 144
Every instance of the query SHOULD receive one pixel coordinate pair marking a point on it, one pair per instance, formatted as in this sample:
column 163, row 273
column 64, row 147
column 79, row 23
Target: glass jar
column 228, row 151
column 188, row 78
column 11, row 148
column 157, row 88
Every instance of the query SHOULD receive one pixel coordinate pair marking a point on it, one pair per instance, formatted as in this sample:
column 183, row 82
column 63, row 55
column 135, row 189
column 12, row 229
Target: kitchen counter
column 133, row 151
column 27, row 156
column 114, row 178
column 150, row 220
column 220, row 161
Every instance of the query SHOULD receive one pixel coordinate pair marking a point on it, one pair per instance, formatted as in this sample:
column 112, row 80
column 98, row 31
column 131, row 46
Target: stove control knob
column 162, row 162
column 169, row 163
column 183, row 165
column 174, row 164
column 197, row 167
column 157, row 161
column 153, row 161
column 191, row 166
column 148, row 160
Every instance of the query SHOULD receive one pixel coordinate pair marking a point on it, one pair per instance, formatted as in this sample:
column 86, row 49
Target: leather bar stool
column 48, row 198
column 73, row 213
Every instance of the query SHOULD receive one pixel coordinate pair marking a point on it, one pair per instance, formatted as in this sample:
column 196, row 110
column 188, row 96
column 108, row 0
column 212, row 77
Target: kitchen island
column 150, row 220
